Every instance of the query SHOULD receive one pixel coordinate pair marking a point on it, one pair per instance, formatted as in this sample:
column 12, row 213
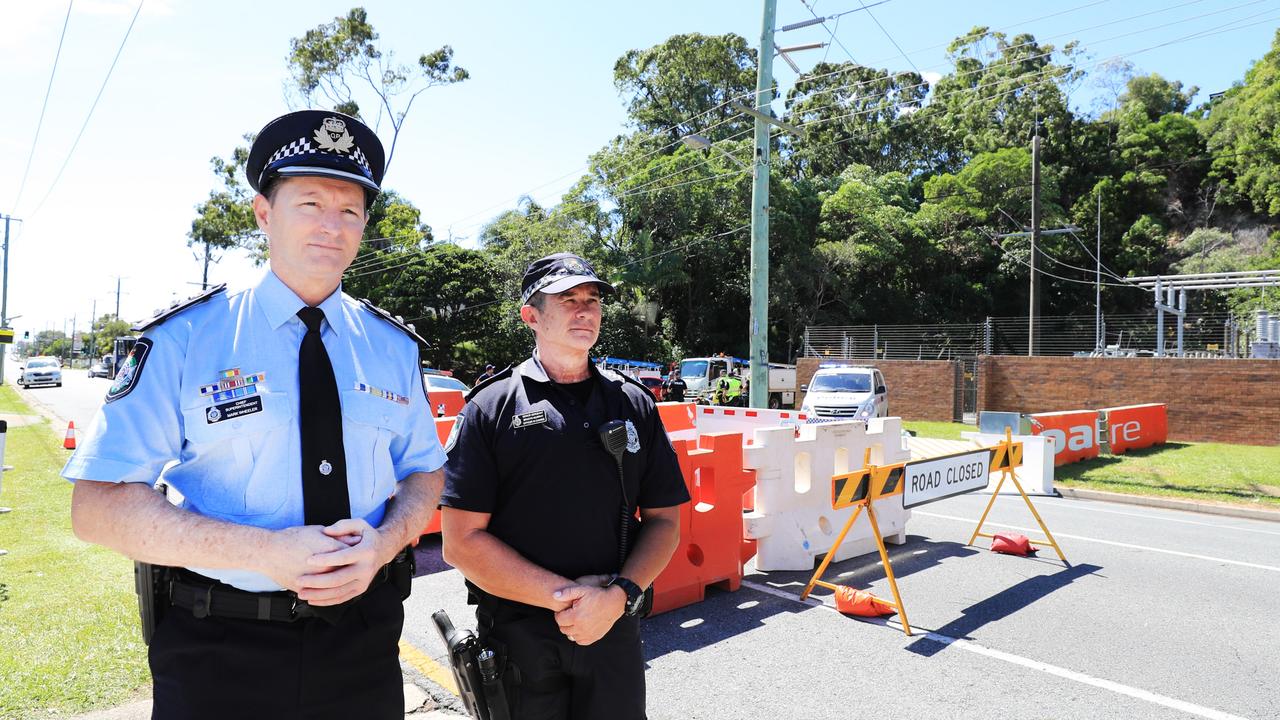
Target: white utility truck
column 700, row 372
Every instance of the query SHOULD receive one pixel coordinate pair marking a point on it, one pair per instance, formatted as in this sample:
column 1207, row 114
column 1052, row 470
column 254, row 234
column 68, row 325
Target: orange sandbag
column 1012, row 544
column 861, row 603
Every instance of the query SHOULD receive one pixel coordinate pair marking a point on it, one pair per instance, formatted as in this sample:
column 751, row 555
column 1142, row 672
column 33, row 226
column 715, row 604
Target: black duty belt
column 206, row 597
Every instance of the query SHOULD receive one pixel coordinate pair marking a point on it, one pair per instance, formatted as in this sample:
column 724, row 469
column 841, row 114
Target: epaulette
column 406, row 328
column 505, row 373
column 177, row 308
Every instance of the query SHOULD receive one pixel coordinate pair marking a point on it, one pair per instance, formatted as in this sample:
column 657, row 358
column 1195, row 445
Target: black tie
column 324, row 463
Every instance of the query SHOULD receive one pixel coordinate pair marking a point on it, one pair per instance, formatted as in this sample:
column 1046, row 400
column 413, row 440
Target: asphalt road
column 1159, row 614
column 78, row 399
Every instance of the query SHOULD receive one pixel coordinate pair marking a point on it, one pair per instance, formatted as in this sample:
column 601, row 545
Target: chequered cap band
column 545, row 281
column 303, row 146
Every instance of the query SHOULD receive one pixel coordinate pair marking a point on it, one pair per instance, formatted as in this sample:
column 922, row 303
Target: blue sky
column 195, row 76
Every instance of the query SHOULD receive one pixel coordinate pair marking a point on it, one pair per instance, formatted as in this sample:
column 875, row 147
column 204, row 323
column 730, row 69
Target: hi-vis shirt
column 215, row 389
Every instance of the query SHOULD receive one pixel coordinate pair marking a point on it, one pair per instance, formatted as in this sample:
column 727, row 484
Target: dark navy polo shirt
column 529, row 454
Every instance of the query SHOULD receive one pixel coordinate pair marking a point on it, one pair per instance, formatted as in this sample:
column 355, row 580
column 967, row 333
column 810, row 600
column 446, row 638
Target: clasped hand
column 327, row 565
column 590, row 609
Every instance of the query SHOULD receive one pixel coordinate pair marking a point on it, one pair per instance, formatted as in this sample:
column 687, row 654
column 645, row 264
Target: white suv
column 841, row 392
column 41, row 371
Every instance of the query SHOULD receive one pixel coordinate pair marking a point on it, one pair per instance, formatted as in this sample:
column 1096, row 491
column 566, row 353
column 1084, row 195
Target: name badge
column 233, row 409
column 537, row 417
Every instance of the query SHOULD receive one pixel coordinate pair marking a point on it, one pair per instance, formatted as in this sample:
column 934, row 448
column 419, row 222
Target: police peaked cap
column 317, row 143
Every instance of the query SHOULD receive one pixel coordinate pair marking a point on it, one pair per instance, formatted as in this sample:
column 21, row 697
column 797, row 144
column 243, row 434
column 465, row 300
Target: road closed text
column 944, row 477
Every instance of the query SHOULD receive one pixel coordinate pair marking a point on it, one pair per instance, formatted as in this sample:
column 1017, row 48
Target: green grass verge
column 69, row 638
column 1237, row 474
column 939, row 430
column 1217, row 472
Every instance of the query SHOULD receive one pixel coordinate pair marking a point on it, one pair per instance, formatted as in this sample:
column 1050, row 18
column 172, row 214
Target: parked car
column 102, row 368
column 437, row 380
column 654, row 383
column 41, row 371
column 845, row 392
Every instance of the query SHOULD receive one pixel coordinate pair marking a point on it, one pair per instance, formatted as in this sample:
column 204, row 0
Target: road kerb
column 1172, row 504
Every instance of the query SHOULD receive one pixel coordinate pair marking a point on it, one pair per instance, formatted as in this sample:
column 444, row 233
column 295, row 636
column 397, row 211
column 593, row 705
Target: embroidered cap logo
column 332, row 135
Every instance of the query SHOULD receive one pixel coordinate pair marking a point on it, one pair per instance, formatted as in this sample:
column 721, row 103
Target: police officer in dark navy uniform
column 676, row 387
column 534, row 506
column 293, row 413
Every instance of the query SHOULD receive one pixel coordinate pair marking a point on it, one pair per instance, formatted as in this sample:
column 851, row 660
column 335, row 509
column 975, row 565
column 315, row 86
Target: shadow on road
column 1001, row 605
column 723, row 615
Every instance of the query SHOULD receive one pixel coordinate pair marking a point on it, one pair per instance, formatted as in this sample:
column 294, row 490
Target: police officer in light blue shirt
column 294, row 424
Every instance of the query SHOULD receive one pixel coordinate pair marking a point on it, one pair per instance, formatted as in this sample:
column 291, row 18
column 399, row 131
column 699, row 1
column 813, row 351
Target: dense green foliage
column 886, row 210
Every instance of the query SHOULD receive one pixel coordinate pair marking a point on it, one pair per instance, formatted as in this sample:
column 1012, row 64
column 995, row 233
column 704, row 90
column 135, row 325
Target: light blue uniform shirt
column 242, row 462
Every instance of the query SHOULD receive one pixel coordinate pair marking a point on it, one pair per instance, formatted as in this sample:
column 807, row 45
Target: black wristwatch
column 635, row 596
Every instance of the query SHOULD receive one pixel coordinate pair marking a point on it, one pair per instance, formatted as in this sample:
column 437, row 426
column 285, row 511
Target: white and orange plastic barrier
column 793, row 521
column 712, row 549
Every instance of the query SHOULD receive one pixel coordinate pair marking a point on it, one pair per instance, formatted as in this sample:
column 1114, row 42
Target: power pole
column 117, row 297
column 759, row 354
column 4, row 298
column 1098, row 340
column 1035, row 238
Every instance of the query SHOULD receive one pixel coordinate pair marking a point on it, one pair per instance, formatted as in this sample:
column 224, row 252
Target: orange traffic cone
column 70, row 442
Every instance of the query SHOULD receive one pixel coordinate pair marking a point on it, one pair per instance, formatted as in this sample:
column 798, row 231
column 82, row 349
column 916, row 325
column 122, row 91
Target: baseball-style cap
column 557, row 273
column 317, row 143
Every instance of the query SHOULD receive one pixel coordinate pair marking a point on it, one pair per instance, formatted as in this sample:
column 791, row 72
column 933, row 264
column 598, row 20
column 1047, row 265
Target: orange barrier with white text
column 1137, row 426
column 1074, row 434
column 712, row 549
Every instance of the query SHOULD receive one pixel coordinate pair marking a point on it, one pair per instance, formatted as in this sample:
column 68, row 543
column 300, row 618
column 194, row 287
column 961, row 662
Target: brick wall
column 1235, row 401
column 918, row 389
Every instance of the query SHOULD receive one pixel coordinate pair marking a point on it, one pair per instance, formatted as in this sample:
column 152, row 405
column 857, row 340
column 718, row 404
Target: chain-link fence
column 1203, row 335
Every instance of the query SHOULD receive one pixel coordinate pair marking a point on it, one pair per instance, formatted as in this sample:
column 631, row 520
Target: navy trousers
column 305, row 670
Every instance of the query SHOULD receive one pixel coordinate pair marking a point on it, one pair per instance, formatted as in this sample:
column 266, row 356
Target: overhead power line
column 92, row 107
column 45, row 105
column 749, row 96
column 886, row 34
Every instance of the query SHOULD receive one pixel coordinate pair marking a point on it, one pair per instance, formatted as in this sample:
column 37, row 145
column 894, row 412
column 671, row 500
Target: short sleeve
column 138, row 430
column 471, row 472
column 417, row 447
column 662, row 484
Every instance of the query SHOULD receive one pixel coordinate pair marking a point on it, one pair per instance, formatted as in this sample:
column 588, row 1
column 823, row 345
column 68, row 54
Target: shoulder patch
column 399, row 323
column 501, row 375
column 166, row 314
column 130, row 370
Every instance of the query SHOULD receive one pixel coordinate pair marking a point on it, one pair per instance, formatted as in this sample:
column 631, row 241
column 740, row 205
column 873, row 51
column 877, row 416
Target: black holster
column 151, row 583
column 477, row 671
column 401, row 570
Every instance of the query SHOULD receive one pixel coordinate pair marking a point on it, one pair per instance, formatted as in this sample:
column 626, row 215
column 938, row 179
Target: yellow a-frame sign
column 861, row 488
column 1005, row 457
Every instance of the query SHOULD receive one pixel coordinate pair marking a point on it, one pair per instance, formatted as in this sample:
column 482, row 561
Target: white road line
column 973, row 647
column 1089, row 507
column 1131, row 546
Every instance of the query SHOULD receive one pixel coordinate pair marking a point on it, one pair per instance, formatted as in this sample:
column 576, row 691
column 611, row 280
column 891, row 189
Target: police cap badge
column 318, row 143
column 556, row 273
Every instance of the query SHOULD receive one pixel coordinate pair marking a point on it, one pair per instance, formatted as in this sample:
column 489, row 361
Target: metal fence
column 1203, row 335
column 1206, row 335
